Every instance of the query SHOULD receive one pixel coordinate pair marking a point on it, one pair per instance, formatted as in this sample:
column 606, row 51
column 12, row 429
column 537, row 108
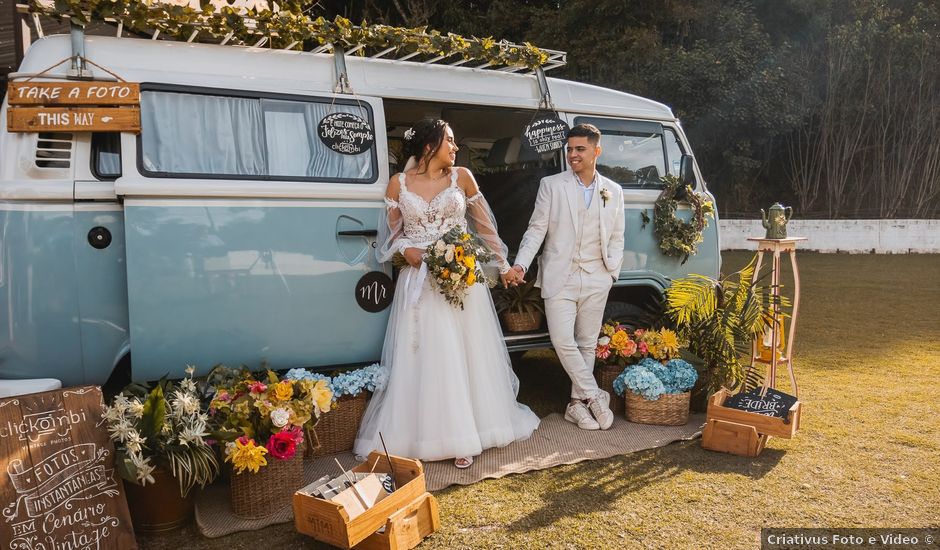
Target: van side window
column 673, row 151
column 212, row 136
column 634, row 152
column 106, row 155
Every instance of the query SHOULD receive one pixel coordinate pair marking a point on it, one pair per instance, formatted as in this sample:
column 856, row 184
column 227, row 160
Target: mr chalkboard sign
column 546, row 134
column 774, row 403
column 346, row 133
column 374, row 291
column 58, row 487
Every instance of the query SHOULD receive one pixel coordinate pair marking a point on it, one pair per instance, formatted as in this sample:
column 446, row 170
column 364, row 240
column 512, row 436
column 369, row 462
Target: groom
column 579, row 216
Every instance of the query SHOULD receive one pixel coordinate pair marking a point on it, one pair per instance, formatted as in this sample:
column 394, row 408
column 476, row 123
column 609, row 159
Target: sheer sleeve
column 391, row 232
column 483, row 224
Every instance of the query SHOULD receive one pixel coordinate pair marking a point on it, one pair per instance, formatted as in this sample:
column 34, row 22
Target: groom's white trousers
column 575, row 316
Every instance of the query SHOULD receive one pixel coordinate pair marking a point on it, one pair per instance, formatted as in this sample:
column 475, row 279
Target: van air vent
column 54, row 150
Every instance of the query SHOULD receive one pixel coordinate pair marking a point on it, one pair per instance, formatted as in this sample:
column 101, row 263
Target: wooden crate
column 741, row 432
column 327, row 521
column 407, row 527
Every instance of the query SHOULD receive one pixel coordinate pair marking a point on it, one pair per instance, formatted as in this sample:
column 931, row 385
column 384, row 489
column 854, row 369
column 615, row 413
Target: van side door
column 248, row 238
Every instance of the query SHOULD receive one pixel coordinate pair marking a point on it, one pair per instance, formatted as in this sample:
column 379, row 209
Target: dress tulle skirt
column 451, row 391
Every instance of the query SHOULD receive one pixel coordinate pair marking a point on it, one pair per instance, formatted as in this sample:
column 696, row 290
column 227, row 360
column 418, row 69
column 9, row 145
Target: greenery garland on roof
column 290, row 26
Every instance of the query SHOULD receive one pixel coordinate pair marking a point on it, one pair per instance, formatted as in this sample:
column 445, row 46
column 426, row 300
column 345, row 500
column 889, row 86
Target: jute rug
column 556, row 442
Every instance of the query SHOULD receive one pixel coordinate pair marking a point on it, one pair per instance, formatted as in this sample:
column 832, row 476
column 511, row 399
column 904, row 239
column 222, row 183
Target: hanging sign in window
column 346, row 133
column 546, row 134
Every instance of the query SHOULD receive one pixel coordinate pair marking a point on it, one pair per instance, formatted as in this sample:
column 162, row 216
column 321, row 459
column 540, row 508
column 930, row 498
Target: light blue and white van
column 227, row 232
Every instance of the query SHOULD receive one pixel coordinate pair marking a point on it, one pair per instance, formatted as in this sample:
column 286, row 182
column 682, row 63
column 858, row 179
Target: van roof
column 296, row 72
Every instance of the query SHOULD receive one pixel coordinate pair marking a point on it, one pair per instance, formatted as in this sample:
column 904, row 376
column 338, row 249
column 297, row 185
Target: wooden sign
column 73, row 119
column 73, row 93
column 58, row 487
column 774, row 403
column 546, row 134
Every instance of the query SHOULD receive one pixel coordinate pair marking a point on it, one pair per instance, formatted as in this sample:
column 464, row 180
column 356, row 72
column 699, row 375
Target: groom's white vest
column 575, row 237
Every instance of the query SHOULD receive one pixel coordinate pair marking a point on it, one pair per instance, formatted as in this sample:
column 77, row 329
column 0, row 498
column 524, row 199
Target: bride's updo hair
column 426, row 132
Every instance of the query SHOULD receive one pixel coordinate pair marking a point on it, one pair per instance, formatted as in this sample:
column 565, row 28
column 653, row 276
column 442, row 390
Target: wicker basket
column 671, row 409
column 256, row 496
column 522, row 322
column 336, row 430
column 605, row 375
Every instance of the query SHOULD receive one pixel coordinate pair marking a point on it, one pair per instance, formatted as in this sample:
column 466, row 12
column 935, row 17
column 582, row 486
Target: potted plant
column 264, row 418
column 720, row 319
column 160, row 435
column 521, row 306
column 657, row 392
column 336, row 430
column 619, row 346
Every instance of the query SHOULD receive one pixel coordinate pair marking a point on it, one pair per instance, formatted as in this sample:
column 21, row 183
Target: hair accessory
column 409, row 133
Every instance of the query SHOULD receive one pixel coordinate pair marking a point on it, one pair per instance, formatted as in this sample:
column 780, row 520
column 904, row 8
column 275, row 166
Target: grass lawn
column 867, row 361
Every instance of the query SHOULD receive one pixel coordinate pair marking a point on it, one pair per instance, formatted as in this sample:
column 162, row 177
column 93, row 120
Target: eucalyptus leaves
column 289, row 27
column 679, row 238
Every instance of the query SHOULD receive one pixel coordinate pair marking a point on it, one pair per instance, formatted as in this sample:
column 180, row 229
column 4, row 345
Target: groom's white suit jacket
column 555, row 221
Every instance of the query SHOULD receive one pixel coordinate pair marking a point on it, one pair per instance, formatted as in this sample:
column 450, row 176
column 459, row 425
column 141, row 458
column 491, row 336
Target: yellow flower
column 608, row 330
column 471, row 278
column 458, row 253
column 619, row 340
column 247, row 455
column 322, row 395
column 283, row 390
column 470, row 262
column 465, row 237
column 669, row 341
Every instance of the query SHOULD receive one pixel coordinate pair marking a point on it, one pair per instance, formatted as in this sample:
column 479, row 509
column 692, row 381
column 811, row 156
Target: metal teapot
column 775, row 220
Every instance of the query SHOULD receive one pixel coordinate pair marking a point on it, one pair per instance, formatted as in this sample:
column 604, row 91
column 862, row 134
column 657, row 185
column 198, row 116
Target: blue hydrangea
column 351, row 383
column 651, row 379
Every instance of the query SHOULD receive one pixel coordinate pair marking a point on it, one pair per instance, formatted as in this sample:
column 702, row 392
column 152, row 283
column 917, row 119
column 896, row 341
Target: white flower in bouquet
column 136, row 408
column 134, row 442
column 455, row 277
column 603, row 340
column 440, row 247
column 184, row 404
column 144, row 469
column 280, row 417
column 449, row 254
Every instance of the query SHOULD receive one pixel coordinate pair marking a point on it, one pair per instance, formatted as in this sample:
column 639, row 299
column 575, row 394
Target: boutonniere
column 605, row 195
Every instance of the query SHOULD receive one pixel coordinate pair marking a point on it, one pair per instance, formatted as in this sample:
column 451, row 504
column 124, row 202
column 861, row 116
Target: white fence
column 855, row 236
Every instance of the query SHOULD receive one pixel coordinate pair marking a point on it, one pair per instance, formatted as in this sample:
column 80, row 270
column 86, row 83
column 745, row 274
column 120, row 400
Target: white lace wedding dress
column 451, row 391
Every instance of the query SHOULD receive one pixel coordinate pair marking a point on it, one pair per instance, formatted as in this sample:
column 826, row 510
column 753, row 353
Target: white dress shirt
column 588, row 189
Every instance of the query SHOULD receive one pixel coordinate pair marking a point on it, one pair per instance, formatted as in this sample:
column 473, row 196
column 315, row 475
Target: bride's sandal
column 463, row 462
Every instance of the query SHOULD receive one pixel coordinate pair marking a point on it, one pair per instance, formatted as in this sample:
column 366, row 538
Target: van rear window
column 200, row 135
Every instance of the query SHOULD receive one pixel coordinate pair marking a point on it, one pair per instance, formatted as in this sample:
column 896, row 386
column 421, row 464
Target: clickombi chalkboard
column 346, row 133
column 774, row 403
column 58, row 488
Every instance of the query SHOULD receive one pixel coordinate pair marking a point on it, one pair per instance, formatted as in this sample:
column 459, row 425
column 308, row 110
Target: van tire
column 119, row 379
column 628, row 314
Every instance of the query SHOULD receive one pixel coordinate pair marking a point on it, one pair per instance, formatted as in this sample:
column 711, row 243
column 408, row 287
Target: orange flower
column 619, row 340
column 445, row 274
column 471, row 278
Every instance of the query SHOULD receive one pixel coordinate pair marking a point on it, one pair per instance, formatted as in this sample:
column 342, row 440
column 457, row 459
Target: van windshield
column 635, row 153
column 204, row 135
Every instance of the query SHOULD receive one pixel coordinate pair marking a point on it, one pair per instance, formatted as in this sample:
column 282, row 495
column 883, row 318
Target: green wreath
column 679, row 238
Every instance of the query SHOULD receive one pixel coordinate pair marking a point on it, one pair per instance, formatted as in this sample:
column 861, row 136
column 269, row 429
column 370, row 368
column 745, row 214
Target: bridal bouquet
column 455, row 263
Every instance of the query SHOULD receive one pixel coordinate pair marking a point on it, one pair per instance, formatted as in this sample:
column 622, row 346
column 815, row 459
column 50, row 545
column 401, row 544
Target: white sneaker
column 600, row 409
column 577, row 413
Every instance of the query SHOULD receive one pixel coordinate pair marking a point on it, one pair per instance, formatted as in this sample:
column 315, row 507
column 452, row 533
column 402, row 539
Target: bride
column 451, row 391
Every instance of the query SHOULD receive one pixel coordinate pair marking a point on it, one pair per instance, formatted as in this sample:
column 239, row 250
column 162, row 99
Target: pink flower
column 283, row 445
column 639, row 332
column 223, row 396
column 257, row 387
column 244, row 439
column 621, row 327
column 629, row 348
column 602, row 352
column 644, row 349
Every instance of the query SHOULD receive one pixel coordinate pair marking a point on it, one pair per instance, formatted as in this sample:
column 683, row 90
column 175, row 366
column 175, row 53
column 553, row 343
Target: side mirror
column 686, row 171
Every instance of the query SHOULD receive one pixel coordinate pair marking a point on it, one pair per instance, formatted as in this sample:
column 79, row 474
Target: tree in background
column 833, row 105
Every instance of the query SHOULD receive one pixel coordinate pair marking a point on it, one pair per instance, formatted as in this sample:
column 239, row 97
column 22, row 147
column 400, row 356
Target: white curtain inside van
column 195, row 134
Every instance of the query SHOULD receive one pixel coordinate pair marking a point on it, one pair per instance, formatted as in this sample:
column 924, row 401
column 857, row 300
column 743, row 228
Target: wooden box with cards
column 742, row 432
column 406, row 515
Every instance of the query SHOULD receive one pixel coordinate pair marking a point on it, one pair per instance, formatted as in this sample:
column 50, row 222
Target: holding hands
column 513, row 277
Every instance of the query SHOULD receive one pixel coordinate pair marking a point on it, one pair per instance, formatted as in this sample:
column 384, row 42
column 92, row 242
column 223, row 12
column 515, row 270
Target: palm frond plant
column 520, row 306
column 720, row 319
column 163, row 426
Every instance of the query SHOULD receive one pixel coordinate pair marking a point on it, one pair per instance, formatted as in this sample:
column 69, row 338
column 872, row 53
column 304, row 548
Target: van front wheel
column 628, row 314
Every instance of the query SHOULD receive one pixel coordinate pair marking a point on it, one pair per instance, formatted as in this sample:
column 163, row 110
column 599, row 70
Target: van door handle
column 359, row 233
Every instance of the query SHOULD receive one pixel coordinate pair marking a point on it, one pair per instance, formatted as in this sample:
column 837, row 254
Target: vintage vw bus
column 228, row 232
